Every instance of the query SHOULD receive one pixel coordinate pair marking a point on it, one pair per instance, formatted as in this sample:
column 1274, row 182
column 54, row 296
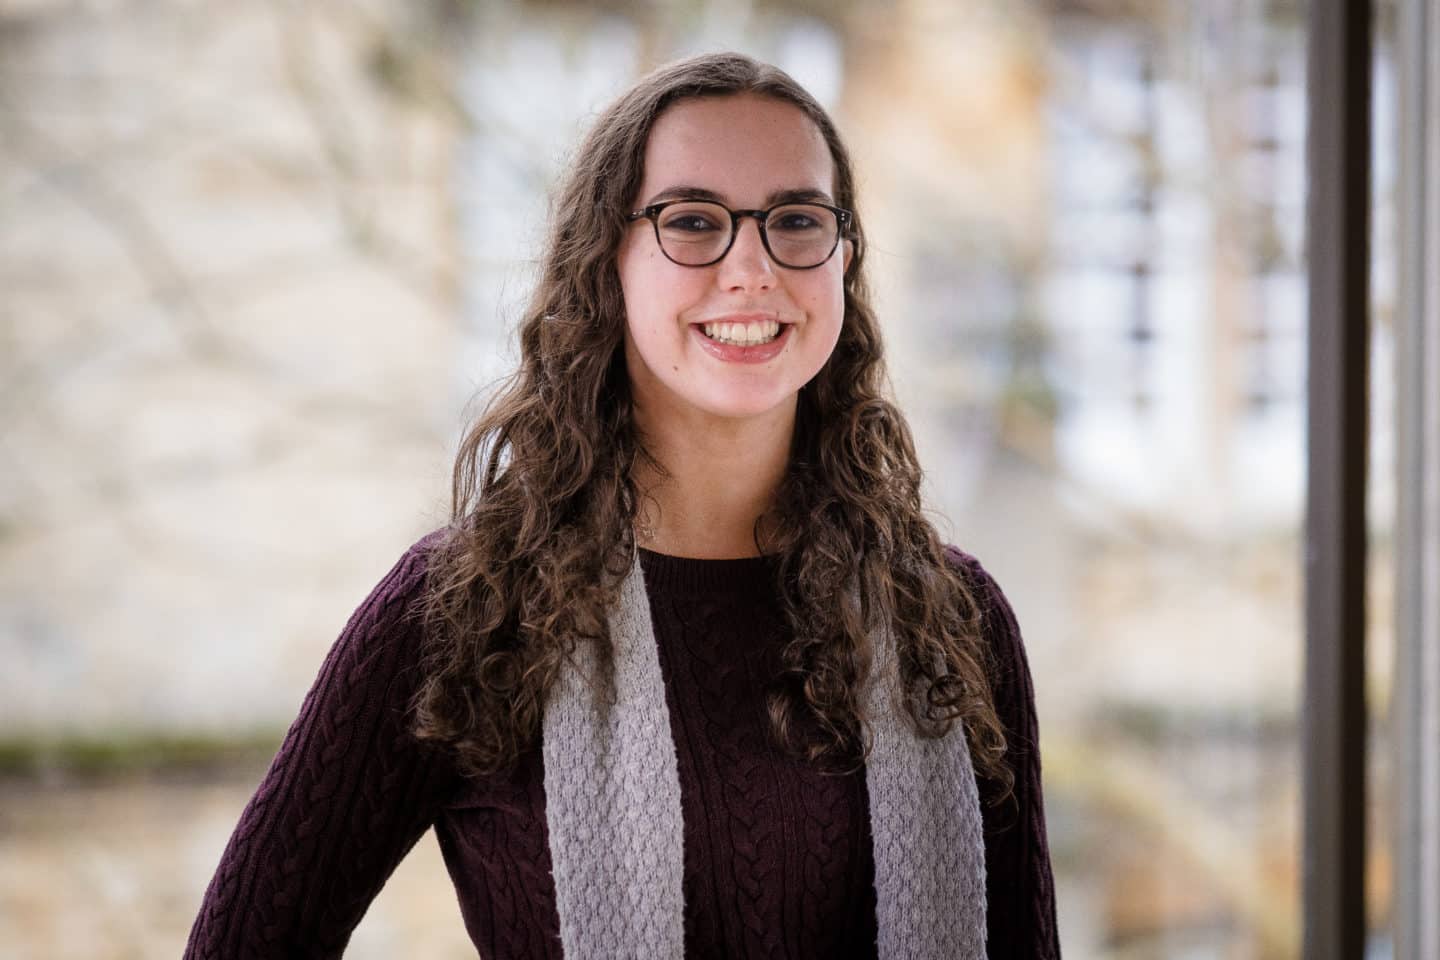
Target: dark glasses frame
column 652, row 213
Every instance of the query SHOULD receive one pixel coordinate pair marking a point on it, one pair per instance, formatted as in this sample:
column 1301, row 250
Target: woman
column 688, row 671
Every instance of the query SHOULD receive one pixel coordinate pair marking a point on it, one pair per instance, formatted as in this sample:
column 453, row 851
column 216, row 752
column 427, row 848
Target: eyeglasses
column 698, row 233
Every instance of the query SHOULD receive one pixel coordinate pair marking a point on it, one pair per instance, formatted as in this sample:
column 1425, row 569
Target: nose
column 747, row 266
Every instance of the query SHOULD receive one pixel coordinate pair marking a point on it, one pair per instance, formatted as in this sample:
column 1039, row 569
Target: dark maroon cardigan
column 777, row 855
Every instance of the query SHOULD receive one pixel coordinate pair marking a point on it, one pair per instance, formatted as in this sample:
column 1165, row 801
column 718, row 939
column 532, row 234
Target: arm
column 346, row 797
column 1020, row 888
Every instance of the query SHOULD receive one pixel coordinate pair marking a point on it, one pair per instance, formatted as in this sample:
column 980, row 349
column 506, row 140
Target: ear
column 848, row 247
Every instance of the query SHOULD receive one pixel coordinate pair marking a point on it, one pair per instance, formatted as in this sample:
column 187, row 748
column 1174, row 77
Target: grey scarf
column 612, row 791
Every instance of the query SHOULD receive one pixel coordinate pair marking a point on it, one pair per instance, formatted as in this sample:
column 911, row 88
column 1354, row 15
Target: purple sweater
column 778, row 860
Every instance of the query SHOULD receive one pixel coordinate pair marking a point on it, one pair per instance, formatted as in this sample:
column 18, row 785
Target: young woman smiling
column 688, row 672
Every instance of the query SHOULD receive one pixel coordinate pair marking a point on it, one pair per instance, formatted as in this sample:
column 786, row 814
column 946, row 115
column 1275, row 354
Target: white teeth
column 743, row 334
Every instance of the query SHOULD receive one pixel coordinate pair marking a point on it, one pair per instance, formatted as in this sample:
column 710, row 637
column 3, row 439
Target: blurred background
column 258, row 259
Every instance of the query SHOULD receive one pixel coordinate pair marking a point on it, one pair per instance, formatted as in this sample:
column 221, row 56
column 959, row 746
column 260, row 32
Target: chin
column 746, row 406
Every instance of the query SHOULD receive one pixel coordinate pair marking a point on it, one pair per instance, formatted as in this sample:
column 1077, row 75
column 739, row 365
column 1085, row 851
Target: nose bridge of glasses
column 737, row 220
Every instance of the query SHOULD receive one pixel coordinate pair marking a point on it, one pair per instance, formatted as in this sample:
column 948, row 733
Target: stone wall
column 227, row 326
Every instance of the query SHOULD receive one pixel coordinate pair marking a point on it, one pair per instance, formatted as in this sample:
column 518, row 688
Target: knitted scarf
column 612, row 790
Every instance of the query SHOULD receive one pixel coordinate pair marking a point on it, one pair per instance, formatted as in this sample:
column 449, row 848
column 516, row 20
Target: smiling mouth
column 751, row 334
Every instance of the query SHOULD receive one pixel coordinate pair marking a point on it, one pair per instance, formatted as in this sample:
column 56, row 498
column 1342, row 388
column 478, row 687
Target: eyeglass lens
column 799, row 234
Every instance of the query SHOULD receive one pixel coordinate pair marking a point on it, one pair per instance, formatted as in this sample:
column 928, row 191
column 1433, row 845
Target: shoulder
column 966, row 565
column 1009, row 667
column 405, row 582
column 386, row 626
column 1020, row 885
column 418, row 555
column 995, row 608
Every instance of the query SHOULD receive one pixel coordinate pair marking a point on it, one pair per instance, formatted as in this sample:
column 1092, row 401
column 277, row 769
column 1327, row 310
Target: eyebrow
column 793, row 195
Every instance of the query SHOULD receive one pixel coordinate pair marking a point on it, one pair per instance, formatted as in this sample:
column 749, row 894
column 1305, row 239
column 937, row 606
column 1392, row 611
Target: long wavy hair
column 542, row 526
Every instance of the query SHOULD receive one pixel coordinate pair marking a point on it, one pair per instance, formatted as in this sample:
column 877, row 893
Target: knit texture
column 347, row 796
column 616, row 834
column 778, row 859
column 927, row 829
column 1017, row 853
column 613, row 796
column 777, row 855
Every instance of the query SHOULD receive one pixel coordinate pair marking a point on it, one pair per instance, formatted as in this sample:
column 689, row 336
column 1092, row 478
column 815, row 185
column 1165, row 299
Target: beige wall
column 227, row 320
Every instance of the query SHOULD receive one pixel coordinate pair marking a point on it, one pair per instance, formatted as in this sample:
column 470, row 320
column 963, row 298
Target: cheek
column 828, row 301
column 630, row 265
column 833, row 311
column 651, row 305
column 659, row 296
column 644, row 277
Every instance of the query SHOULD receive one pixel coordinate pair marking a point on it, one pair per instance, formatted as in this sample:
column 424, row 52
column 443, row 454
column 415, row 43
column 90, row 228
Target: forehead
column 743, row 147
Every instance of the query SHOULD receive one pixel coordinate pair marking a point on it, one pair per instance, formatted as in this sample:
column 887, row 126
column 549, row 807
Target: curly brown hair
column 544, row 501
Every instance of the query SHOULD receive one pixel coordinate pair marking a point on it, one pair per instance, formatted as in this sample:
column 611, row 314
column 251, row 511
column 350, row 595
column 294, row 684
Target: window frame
column 1416, row 718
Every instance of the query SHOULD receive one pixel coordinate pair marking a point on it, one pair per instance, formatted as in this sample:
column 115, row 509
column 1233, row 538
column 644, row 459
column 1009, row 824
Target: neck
column 719, row 480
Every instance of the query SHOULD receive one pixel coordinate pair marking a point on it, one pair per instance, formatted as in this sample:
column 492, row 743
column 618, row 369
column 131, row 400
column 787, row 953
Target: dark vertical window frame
column 1338, row 152
column 1416, row 719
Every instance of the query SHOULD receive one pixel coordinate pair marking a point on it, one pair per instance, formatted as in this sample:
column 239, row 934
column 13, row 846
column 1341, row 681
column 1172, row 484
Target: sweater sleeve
column 1019, row 885
column 346, row 797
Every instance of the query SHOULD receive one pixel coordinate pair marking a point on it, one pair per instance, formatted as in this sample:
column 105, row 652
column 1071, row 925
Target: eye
column 691, row 223
column 800, row 220
column 693, row 219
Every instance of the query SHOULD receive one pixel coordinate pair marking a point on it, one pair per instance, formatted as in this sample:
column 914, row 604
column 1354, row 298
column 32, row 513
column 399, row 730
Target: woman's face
column 747, row 152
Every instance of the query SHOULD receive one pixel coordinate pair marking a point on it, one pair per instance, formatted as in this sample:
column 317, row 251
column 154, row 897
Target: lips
column 741, row 352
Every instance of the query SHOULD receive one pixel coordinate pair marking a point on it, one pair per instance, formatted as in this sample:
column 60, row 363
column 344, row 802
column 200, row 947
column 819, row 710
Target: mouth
column 743, row 331
column 743, row 340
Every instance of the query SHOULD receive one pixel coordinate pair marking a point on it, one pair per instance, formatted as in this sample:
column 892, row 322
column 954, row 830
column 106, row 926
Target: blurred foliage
column 133, row 753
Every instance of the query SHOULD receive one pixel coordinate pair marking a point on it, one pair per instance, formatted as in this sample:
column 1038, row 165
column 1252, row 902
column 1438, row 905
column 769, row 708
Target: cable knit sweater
column 777, row 856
